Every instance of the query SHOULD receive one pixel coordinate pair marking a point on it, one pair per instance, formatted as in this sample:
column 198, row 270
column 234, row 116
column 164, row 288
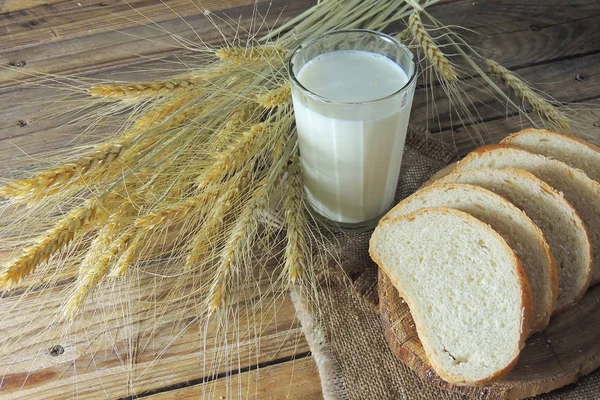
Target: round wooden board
column 565, row 351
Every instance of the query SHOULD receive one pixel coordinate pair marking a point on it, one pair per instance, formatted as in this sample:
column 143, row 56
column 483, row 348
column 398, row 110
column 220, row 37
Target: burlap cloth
column 346, row 337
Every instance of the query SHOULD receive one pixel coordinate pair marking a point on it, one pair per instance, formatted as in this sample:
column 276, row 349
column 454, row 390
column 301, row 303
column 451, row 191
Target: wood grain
column 566, row 350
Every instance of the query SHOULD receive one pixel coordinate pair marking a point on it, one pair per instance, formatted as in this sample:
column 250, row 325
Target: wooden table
column 553, row 44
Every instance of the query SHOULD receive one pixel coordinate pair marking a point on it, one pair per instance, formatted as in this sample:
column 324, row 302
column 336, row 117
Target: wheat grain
column 75, row 223
column 539, row 104
column 237, row 155
column 241, row 55
column 280, row 96
column 104, row 154
column 435, row 56
column 295, row 223
column 404, row 35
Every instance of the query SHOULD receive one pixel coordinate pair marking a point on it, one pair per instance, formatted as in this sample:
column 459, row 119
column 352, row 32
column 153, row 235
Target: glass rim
column 384, row 36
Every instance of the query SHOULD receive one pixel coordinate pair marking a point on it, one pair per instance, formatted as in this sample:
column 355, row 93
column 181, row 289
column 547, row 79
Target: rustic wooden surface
column 554, row 44
column 568, row 349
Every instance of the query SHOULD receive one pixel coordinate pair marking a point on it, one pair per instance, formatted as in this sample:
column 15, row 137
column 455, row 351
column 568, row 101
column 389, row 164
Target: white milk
column 351, row 153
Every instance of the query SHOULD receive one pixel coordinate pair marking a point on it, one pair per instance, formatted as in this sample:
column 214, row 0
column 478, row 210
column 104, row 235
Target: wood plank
column 298, row 379
column 96, row 348
column 510, row 16
column 59, row 21
column 133, row 45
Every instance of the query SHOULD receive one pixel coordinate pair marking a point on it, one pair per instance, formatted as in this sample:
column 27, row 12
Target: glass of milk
column 352, row 93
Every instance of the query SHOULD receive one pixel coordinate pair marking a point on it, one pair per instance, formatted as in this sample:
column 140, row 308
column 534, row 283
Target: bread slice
column 560, row 223
column 571, row 150
column 516, row 228
column 582, row 192
column 465, row 289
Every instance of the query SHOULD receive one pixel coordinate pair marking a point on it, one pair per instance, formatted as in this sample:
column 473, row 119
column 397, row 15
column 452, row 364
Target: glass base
column 348, row 227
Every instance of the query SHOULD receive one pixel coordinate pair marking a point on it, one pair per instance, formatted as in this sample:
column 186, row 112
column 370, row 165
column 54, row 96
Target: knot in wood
column 56, row 350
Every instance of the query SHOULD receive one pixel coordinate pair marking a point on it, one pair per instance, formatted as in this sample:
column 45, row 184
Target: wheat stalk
column 75, row 223
column 280, row 96
column 295, row 223
column 435, row 56
column 241, row 55
column 539, row 104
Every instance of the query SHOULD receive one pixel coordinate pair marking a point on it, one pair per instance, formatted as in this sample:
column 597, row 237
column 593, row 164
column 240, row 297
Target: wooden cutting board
column 565, row 351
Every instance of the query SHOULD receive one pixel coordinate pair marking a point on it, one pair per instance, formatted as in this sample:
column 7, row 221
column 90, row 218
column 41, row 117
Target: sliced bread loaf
column 465, row 289
column 516, row 228
column 582, row 192
column 560, row 223
column 571, row 150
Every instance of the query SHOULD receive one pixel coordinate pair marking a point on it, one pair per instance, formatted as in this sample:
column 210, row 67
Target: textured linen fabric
column 345, row 335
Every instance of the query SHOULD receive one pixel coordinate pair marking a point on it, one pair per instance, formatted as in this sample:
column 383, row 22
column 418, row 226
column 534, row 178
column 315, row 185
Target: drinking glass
column 352, row 93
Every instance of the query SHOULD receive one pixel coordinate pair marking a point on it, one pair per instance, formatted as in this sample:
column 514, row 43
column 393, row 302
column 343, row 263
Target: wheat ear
column 102, row 155
column 96, row 263
column 126, row 247
column 236, row 156
column 235, row 248
column 241, row 55
column 435, row 56
column 139, row 89
column 238, row 119
column 539, row 104
column 65, row 231
column 45, row 182
column 200, row 242
column 277, row 97
column 295, row 222
column 168, row 113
